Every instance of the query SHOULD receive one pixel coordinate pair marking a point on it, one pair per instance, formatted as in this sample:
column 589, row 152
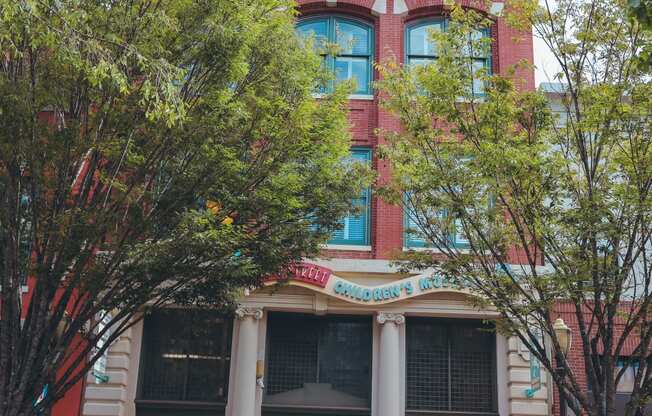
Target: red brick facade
column 509, row 48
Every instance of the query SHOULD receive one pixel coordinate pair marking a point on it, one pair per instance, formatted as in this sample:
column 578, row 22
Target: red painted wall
column 70, row 404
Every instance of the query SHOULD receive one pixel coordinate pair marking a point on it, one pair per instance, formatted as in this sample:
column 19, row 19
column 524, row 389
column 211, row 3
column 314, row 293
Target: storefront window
column 185, row 358
column 318, row 363
column 451, row 367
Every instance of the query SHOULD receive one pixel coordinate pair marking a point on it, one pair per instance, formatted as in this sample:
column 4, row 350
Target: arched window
column 421, row 49
column 354, row 52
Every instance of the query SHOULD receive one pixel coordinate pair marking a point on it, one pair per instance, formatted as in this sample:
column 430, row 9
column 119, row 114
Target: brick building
column 575, row 357
column 346, row 334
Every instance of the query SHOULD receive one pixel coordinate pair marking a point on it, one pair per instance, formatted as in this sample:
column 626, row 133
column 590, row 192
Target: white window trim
column 365, row 97
column 434, row 250
column 347, row 247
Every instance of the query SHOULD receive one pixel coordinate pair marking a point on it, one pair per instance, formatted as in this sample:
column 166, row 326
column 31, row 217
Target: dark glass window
column 450, row 367
column 186, row 356
column 318, row 362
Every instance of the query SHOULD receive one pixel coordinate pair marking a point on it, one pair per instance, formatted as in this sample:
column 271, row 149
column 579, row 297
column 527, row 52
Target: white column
column 244, row 397
column 389, row 386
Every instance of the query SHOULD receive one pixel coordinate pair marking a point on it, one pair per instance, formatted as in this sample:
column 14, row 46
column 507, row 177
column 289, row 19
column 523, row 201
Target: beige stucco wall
column 518, row 366
column 116, row 398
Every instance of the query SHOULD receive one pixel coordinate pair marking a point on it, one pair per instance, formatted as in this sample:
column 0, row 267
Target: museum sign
column 324, row 280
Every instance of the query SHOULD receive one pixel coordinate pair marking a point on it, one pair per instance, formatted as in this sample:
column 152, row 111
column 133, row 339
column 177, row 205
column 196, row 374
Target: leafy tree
column 569, row 197
column 151, row 152
column 642, row 12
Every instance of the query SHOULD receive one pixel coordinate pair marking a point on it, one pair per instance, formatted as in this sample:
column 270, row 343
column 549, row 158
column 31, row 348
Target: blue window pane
column 352, row 61
column 421, row 42
column 314, row 29
column 355, row 227
column 351, row 39
column 338, row 236
column 478, row 72
column 413, row 234
column 414, row 62
column 357, row 224
column 415, row 237
column 475, row 47
column 353, row 68
column 460, row 238
column 357, row 155
column 421, row 50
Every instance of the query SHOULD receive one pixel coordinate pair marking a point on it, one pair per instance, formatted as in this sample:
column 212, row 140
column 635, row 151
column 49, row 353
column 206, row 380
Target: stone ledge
column 116, row 377
column 515, row 360
column 517, row 392
column 100, row 392
column 117, row 362
column 528, row 408
column 102, row 409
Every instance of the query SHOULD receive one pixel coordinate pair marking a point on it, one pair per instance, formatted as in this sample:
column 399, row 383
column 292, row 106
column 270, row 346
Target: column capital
column 244, row 312
column 396, row 318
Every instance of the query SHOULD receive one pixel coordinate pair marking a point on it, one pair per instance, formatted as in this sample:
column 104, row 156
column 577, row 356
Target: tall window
column 451, row 367
column 317, row 362
column 185, row 357
column 354, row 51
column 421, row 49
column 355, row 227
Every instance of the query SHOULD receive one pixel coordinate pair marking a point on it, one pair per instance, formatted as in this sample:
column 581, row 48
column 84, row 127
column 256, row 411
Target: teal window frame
column 410, row 241
column 488, row 65
column 330, row 59
column 366, row 210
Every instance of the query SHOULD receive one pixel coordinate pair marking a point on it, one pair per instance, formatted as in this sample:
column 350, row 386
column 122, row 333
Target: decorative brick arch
column 422, row 6
column 424, row 9
column 365, row 6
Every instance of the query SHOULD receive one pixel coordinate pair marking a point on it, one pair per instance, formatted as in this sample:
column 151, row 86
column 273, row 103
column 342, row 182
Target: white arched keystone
column 379, row 7
column 400, row 7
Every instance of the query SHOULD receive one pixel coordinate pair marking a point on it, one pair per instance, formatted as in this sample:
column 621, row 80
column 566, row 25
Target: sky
column 544, row 62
